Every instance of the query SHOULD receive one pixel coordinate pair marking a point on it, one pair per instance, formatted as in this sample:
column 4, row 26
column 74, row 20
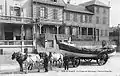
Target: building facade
column 84, row 22
column 16, row 30
column 39, row 21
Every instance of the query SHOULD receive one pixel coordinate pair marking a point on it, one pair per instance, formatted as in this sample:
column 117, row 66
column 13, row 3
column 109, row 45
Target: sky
column 114, row 10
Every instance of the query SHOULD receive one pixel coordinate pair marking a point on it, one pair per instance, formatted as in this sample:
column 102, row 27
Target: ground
column 111, row 68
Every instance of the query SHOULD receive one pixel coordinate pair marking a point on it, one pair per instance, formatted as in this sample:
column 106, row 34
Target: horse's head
column 14, row 55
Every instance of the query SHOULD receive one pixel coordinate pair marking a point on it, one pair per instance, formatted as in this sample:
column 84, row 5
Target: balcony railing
column 16, row 42
column 11, row 19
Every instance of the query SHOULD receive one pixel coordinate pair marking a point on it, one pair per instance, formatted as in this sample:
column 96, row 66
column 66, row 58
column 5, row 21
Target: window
column 11, row 10
column 67, row 30
column 74, row 30
column 82, row 18
column 90, row 31
column 84, row 31
column 97, row 9
column 90, row 19
column 0, row 9
column 97, row 20
column 67, row 16
column 104, row 20
column 104, row 11
column 43, row 12
column 55, row 13
column 75, row 17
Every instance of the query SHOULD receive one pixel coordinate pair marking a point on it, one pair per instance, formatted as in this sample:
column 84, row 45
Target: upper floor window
column 43, row 12
column 67, row 16
column 104, row 10
column 97, row 20
column 104, row 20
column 82, row 18
column 1, row 10
column 55, row 14
column 97, row 9
column 75, row 17
column 90, row 19
column 54, row 0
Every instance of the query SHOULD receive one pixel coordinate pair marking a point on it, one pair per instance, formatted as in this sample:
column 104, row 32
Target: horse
column 57, row 58
column 27, row 60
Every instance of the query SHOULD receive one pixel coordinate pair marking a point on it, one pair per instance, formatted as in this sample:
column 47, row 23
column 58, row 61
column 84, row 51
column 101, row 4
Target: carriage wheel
column 87, row 60
column 102, row 59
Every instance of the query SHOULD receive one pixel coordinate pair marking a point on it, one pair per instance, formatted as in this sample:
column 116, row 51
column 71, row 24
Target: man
column 104, row 44
column 66, row 61
column 46, row 62
column 50, row 59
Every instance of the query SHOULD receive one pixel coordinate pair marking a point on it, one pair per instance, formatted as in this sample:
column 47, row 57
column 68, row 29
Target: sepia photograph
column 59, row 38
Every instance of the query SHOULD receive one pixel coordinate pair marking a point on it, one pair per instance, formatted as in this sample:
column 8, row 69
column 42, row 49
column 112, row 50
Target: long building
column 37, row 22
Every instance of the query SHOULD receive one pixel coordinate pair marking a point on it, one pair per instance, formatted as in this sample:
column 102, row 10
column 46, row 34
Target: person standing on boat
column 104, row 44
column 66, row 61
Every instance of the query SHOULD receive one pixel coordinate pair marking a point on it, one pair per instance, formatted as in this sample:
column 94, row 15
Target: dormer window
column 54, row 0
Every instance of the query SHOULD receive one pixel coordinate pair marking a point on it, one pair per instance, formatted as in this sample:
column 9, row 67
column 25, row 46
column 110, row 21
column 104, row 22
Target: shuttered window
column 82, row 18
column 37, row 12
column 55, row 14
column 90, row 19
column 75, row 17
column 67, row 16
column 43, row 12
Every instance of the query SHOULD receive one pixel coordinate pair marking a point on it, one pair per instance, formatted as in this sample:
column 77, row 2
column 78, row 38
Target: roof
column 94, row 2
column 77, row 8
column 58, row 3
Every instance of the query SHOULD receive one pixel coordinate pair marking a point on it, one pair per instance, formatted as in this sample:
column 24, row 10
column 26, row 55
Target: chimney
column 68, row 1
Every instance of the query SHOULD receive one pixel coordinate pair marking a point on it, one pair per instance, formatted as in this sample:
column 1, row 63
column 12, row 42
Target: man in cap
column 46, row 62
column 66, row 61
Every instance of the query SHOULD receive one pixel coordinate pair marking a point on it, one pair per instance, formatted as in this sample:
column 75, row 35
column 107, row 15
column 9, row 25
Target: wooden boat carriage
column 101, row 55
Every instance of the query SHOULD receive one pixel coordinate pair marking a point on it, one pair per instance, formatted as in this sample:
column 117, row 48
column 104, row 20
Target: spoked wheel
column 87, row 60
column 102, row 59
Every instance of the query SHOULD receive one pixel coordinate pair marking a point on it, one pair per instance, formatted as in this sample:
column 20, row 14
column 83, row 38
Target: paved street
column 111, row 68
